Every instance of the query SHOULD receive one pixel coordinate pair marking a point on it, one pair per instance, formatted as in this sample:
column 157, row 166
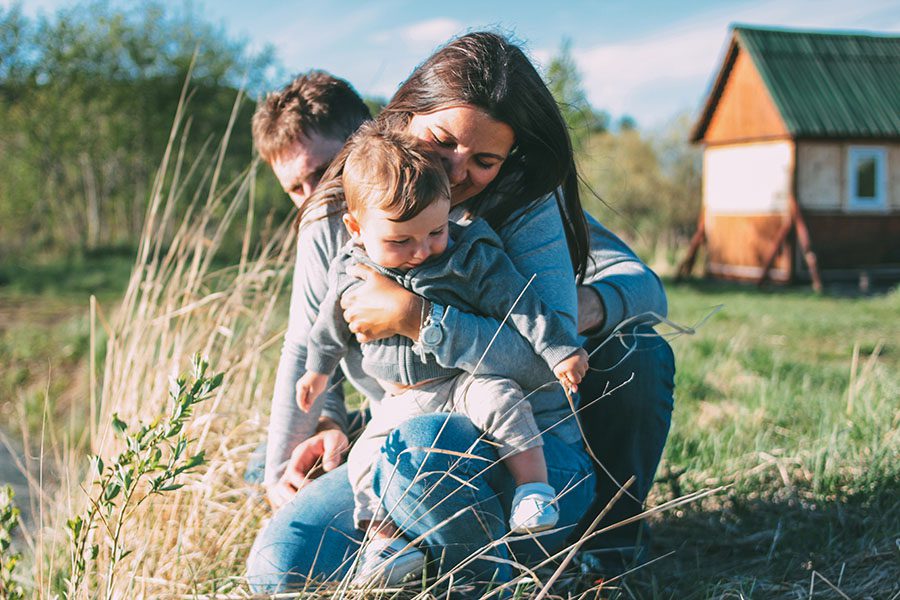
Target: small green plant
column 9, row 520
column 151, row 463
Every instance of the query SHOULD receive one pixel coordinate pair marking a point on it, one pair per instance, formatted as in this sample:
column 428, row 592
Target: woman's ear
column 351, row 224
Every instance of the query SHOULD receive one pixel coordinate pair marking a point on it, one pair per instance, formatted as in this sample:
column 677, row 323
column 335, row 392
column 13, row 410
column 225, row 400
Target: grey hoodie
column 473, row 274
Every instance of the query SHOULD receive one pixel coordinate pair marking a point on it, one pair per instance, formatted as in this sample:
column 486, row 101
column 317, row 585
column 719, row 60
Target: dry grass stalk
column 176, row 304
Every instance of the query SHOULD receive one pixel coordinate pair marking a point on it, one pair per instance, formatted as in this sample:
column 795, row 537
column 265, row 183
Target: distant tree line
column 87, row 101
column 643, row 186
column 88, row 96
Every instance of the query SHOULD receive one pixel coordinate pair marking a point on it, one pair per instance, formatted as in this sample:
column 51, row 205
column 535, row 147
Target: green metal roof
column 824, row 83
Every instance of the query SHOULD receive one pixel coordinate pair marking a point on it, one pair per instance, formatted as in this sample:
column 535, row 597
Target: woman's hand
column 319, row 454
column 380, row 307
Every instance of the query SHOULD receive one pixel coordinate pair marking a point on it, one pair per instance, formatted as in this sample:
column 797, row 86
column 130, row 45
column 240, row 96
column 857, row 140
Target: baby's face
column 402, row 245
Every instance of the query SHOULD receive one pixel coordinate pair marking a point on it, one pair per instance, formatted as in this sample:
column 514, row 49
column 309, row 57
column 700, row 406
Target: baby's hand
column 310, row 386
column 570, row 371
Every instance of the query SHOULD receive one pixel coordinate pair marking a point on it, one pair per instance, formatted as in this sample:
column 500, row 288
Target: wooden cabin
column 801, row 157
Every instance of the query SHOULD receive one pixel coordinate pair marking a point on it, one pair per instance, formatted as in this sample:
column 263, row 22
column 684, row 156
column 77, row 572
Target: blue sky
column 650, row 59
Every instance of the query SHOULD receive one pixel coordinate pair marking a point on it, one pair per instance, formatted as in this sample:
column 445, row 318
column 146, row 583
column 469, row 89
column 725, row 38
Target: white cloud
column 420, row 37
column 431, row 32
column 656, row 75
column 399, row 50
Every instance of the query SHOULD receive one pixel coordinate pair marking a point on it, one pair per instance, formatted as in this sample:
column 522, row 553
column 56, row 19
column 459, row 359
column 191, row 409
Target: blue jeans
column 313, row 536
column 627, row 430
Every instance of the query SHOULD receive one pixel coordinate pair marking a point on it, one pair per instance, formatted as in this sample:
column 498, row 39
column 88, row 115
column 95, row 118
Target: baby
column 398, row 203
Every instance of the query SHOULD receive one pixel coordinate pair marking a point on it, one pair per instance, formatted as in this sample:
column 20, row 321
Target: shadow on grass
column 832, row 289
column 740, row 546
column 103, row 272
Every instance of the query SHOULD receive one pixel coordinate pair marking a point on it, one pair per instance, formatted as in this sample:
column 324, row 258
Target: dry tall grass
column 176, row 304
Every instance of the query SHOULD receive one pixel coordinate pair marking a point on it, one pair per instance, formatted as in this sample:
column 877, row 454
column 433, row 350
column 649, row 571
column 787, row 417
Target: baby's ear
column 351, row 224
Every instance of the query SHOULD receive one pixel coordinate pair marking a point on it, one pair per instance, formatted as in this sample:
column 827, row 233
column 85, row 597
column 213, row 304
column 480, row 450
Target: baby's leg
column 527, row 466
column 387, row 556
column 369, row 514
column 498, row 407
column 360, row 464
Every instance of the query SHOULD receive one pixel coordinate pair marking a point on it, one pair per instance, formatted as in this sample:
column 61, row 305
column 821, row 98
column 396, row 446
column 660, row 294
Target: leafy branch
column 9, row 520
column 151, row 463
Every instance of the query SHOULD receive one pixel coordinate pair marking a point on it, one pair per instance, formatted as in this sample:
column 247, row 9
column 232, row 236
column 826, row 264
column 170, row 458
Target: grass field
column 791, row 399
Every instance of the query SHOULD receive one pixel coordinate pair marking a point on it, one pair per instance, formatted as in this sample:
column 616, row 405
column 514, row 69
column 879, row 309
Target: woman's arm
column 536, row 244
column 317, row 244
column 617, row 284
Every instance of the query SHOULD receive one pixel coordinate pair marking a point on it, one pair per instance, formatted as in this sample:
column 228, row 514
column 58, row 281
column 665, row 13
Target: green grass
column 45, row 333
column 762, row 406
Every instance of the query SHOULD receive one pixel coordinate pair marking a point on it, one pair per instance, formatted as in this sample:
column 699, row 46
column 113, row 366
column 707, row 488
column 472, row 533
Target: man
column 299, row 129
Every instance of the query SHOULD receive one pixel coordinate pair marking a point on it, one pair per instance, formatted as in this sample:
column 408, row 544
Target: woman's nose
column 455, row 166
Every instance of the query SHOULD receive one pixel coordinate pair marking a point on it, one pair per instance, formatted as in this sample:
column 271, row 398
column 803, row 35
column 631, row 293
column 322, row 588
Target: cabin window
column 867, row 179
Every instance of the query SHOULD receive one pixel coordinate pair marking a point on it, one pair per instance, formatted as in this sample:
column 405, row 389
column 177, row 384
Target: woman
column 482, row 106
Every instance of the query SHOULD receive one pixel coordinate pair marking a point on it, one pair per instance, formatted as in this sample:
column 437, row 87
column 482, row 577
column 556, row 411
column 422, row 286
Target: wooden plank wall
column 745, row 111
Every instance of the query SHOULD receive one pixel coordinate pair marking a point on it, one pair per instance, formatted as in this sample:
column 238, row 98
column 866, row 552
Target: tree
column 650, row 185
column 626, row 123
column 376, row 104
column 564, row 82
column 87, row 98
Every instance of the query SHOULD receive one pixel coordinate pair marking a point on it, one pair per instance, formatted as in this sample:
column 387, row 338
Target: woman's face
column 471, row 144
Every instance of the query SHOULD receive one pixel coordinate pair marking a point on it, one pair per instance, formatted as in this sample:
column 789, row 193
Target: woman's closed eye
column 442, row 142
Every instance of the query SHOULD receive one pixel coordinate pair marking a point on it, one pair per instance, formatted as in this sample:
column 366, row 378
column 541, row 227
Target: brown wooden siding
column 843, row 241
column 739, row 245
column 746, row 110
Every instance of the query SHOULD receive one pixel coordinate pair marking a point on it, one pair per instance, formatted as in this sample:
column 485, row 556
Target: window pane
column 865, row 177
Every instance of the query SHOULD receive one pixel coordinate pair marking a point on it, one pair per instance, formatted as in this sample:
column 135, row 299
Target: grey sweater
column 473, row 274
column 536, row 244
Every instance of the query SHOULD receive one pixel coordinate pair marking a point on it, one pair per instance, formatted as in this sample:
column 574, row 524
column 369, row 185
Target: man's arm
column 317, row 244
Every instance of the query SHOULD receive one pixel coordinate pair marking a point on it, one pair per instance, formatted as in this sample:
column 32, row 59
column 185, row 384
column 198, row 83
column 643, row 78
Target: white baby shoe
column 533, row 508
column 387, row 562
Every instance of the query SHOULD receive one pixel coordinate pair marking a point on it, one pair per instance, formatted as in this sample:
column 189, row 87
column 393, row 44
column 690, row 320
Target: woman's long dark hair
column 489, row 72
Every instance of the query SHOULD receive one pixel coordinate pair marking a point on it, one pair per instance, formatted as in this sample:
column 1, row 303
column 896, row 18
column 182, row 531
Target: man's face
column 300, row 167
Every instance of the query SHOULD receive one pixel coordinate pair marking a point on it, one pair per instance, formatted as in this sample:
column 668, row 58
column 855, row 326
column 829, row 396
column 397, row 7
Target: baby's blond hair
column 391, row 171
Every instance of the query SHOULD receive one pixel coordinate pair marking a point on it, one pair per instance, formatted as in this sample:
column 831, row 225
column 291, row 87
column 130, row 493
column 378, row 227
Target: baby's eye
column 399, row 242
column 437, row 232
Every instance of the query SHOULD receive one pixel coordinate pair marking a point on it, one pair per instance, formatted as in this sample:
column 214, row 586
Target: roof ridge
column 865, row 33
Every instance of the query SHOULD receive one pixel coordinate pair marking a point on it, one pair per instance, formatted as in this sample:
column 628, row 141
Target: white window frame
column 854, row 202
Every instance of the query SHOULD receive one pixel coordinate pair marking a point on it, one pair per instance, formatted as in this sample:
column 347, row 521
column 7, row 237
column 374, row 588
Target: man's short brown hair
column 391, row 171
column 314, row 102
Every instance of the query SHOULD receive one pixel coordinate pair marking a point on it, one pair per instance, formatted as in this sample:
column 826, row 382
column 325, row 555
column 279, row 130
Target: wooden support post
column 776, row 248
column 802, row 230
column 687, row 265
column 805, row 244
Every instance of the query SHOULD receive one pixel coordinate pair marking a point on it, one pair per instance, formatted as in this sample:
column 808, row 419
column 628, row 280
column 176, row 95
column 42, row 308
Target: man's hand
column 321, row 453
column 570, row 371
column 380, row 307
column 591, row 312
column 310, row 387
